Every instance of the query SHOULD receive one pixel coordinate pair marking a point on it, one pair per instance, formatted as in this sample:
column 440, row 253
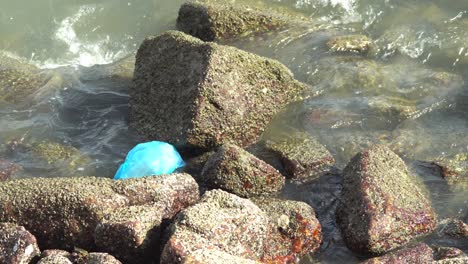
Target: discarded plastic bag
column 150, row 158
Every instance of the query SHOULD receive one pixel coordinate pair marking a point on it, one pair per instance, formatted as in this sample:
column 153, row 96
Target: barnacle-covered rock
column 17, row 245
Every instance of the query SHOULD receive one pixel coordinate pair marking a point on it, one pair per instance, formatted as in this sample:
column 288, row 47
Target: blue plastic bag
column 150, row 158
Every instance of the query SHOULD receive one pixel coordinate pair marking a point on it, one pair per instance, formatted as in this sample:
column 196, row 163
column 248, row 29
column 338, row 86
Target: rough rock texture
column 351, row 43
column 419, row 254
column 57, row 154
column 220, row 221
column 441, row 253
column 293, row 230
column 212, row 20
column 213, row 256
column 455, row 170
column 302, row 156
column 17, row 245
column 382, row 207
column 7, row 169
column 225, row 94
column 120, row 71
column 460, row 260
column 63, row 212
column 453, row 228
column 237, row 171
column 55, row 259
column 78, row 256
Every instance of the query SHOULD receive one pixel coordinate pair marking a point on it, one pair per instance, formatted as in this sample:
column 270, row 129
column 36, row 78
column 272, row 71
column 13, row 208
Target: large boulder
column 382, row 206
column 293, row 230
column 212, row 20
column 17, row 245
column 237, row 171
column 194, row 93
column 222, row 222
column 63, row 212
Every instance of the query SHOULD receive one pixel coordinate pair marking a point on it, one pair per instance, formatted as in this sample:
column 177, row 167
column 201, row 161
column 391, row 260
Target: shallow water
column 421, row 66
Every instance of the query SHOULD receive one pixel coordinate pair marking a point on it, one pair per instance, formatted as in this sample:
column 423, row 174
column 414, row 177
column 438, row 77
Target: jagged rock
column 419, row 254
column 212, row 20
column 293, row 230
column 220, row 221
column 64, row 212
column 225, row 94
column 17, row 245
column 237, row 171
column 302, row 155
column 382, row 207
column 351, row 43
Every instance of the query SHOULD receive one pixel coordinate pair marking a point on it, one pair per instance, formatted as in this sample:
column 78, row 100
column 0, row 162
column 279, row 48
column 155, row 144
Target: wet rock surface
column 454, row 169
column 226, row 95
column 222, row 222
column 214, row 20
column 441, row 253
column 7, row 169
column 64, row 212
column 453, row 228
column 302, row 155
column 17, row 245
column 418, row 254
column 351, row 43
column 294, row 230
column 382, row 206
column 237, row 171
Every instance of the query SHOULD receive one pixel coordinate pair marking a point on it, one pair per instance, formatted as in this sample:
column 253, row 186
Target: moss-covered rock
column 220, row 221
column 57, row 155
column 237, row 171
column 418, row 254
column 224, row 95
column 213, row 20
column 17, row 245
column 351, row 43
column 302, row 155
column 293, row 230
column 64, row 212
column 382, row 206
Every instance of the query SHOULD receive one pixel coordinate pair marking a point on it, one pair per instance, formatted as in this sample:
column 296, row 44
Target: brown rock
column 237, row 171
column 213, row 256
column 17, row 245
column 224, row 94
column 419, row 254
column 382, row 207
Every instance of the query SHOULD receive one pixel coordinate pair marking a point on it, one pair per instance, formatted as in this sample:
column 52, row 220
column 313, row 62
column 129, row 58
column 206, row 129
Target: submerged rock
column 8, row 169
column 213, row 20
column 224, row 94
column 293, row 232
column 64, row 212
column 454, row 169
column 237, row 171
column 382, row 206
column 351, row 43
column 120, row 72
column 220, row 221
column 56, row 154
column 419, row 254
column 17, row 245
column 302, row 155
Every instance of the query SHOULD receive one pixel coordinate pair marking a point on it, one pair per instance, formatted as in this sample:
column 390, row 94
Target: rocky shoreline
column 216, row 101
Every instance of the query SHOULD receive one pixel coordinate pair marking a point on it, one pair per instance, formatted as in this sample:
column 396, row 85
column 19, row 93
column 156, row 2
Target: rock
column 454, row 169
column 56, row 252
column 78, row 256
column 302, row 155
column 17, row 245
column 460, row 260
column 294, row 231
column 64, row 212
column 225, row 95
column 441, row 253
column 55, row 259
column 101, row 258
column 237, row 171
column 7, row 169
column 20, row 81
column 222, row 222
column 57, row 155
column 351, row 43
column 419, row 254
column 382, row 206
column 212, row 256
column 453, row 228
column 213, row 20
column 120, row 72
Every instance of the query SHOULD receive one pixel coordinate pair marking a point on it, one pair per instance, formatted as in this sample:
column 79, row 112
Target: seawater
column 418, row 40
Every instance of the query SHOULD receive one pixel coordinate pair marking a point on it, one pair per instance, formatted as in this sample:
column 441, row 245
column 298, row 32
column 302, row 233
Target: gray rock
column 17, row 245
column 225, row 94
column 212, row 20
column 237, row 171
column 220, row 221
column 382, row 207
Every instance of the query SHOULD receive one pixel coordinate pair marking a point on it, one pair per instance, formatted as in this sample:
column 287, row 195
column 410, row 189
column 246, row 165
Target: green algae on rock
column 225, row 94
column 294, row 230
column 237, row 171
column 382, row 207
column 302, row 155
column 17, row 245
column 351, row 43
column 55, row 154
column 214, row 20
